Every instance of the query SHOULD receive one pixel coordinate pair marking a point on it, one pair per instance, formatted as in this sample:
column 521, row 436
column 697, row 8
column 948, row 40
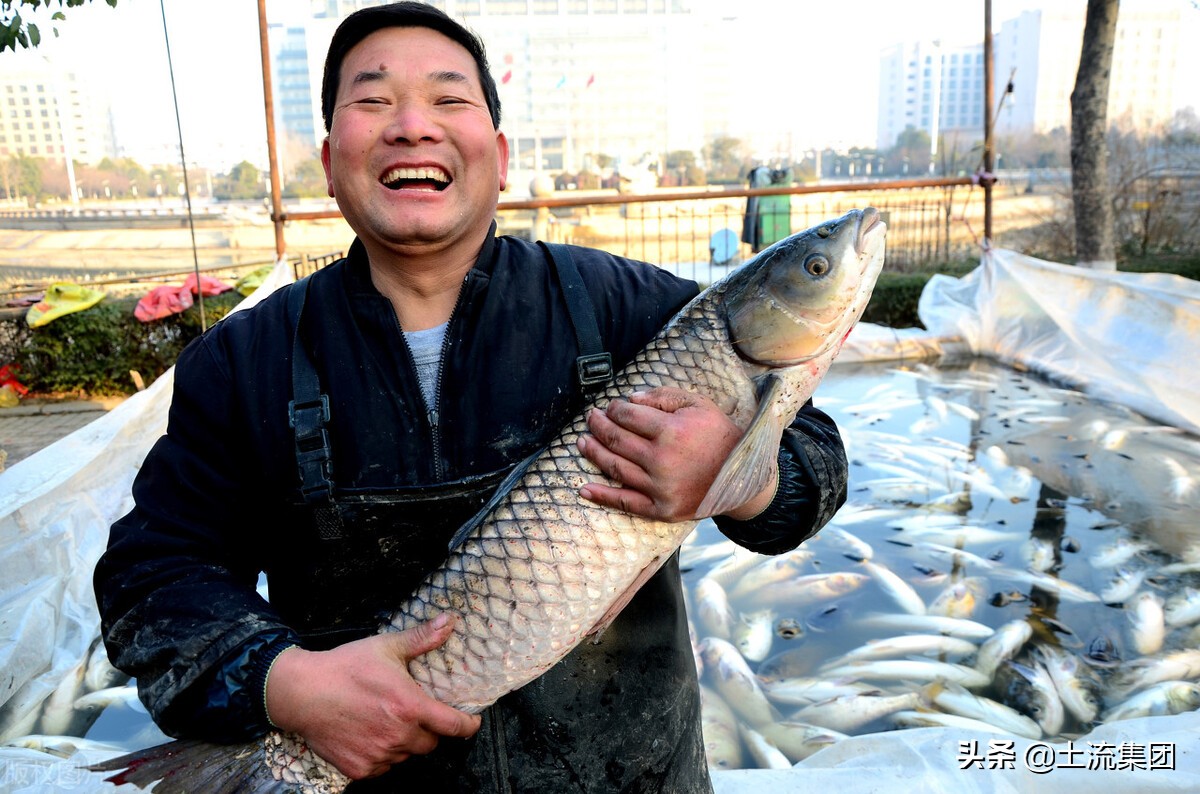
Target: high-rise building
column 930, row 87
column 581, row 82
column 48, row 113
column 1040, row 50
column 939, row 88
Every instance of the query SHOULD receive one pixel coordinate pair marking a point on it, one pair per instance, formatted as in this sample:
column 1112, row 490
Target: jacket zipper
column 432, row 413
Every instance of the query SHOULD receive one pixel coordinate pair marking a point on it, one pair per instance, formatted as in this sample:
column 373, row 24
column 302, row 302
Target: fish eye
column 817, row 265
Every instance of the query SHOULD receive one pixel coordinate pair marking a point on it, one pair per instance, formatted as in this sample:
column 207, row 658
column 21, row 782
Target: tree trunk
column 1094, row 243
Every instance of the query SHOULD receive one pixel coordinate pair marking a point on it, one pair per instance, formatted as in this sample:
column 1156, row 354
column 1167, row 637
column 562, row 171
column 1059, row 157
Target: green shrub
column 93, row 351
column 894, row 301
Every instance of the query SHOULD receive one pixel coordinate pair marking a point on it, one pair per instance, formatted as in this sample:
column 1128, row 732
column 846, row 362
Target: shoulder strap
column 593, row 367
column 308, row 415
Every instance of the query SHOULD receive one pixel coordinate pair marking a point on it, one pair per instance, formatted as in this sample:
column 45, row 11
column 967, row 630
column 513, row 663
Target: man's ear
column 502, row 155
column 325, row 164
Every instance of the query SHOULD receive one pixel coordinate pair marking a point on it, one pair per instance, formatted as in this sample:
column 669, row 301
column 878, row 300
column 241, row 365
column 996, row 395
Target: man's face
column 412, row 157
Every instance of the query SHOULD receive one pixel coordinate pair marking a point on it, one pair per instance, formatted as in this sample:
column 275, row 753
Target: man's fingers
column 615, row 463
column 623, row 499
column 422, row 638
column 448, row 721
column 645, row 421
column 665, row 398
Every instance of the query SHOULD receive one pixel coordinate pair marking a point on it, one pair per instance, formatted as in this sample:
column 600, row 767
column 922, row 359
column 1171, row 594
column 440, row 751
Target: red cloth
column 163, row 301
column 211, row 286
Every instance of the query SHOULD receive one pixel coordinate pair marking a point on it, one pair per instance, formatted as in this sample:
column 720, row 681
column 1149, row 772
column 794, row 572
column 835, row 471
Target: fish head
column 800, row 297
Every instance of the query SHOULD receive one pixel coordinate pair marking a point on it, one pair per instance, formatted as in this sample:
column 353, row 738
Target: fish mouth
column 868, row 223
column 427, row 177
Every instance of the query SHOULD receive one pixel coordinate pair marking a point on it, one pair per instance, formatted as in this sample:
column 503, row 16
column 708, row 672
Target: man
column 347, row 510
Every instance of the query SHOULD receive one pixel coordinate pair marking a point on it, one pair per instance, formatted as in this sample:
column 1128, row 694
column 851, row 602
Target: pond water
column 993, row 497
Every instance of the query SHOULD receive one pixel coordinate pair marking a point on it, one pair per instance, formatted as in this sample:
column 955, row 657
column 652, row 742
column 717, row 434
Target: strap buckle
column 594, row 371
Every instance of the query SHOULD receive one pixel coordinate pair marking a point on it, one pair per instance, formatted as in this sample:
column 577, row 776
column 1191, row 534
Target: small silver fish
column 733, row 680
column 1003, row 645
column 754, row 633
column 1030, row 690
column 1147, row 622
column 848, row 713
column 1076, row 684
column 1165, row 697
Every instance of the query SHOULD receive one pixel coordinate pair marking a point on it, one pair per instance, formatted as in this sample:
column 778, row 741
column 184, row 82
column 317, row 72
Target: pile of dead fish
column 999, row 567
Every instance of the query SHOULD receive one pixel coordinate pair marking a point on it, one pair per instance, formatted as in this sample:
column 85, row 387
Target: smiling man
column 336, row 436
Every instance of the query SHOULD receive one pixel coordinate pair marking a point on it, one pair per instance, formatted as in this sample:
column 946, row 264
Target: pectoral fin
column 749, row 466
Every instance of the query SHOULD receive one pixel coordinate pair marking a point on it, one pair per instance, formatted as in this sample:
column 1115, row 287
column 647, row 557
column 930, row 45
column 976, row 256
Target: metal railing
column 931, row 222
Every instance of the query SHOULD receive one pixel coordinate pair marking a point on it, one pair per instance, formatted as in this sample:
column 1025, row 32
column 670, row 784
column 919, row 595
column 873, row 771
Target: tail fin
column 275, row 763
column 192, row 765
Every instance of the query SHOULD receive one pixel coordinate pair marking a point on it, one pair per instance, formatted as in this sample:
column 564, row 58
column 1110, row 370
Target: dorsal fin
column 501, row 491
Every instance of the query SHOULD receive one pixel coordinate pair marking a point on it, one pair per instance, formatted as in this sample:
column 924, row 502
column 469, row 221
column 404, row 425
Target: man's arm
column 176, row 586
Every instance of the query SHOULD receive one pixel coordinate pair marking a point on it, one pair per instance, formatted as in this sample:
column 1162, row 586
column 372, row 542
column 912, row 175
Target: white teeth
column 430, row 174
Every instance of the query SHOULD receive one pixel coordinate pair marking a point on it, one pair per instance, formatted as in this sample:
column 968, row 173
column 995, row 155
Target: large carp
column 540, row 569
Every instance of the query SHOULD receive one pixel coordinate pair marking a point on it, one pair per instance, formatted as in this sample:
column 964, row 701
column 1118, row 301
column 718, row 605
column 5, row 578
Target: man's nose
column 412, row 122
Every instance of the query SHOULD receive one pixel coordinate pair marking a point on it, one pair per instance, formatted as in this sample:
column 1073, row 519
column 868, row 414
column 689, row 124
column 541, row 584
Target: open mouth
column 432, row 179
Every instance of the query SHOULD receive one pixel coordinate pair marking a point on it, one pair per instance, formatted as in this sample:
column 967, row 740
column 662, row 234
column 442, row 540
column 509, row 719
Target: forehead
column 413, row 49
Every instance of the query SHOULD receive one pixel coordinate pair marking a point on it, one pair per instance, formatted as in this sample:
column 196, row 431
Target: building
column 939, row 88
column 931, row 87
column 1040, row 50
column 583, row 83
column 51, row 114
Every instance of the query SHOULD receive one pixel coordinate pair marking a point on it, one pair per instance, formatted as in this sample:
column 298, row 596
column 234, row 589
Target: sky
column 830, row 52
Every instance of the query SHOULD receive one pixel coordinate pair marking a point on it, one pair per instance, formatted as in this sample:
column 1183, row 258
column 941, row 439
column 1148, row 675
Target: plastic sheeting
column 1130, row 338
column 1120, row 337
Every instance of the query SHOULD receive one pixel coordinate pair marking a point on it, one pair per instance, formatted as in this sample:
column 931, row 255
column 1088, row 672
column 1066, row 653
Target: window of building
column 604, row 6
column 506, row 7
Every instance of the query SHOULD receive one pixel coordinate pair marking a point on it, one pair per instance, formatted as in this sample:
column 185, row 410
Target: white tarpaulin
column 1129, row 338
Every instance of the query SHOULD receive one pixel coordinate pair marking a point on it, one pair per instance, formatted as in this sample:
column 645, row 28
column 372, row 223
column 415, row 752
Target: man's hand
column 664, row 447
column 357, row 706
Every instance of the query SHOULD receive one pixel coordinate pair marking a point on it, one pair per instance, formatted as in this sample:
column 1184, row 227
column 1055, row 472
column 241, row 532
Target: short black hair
column 366, row 21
